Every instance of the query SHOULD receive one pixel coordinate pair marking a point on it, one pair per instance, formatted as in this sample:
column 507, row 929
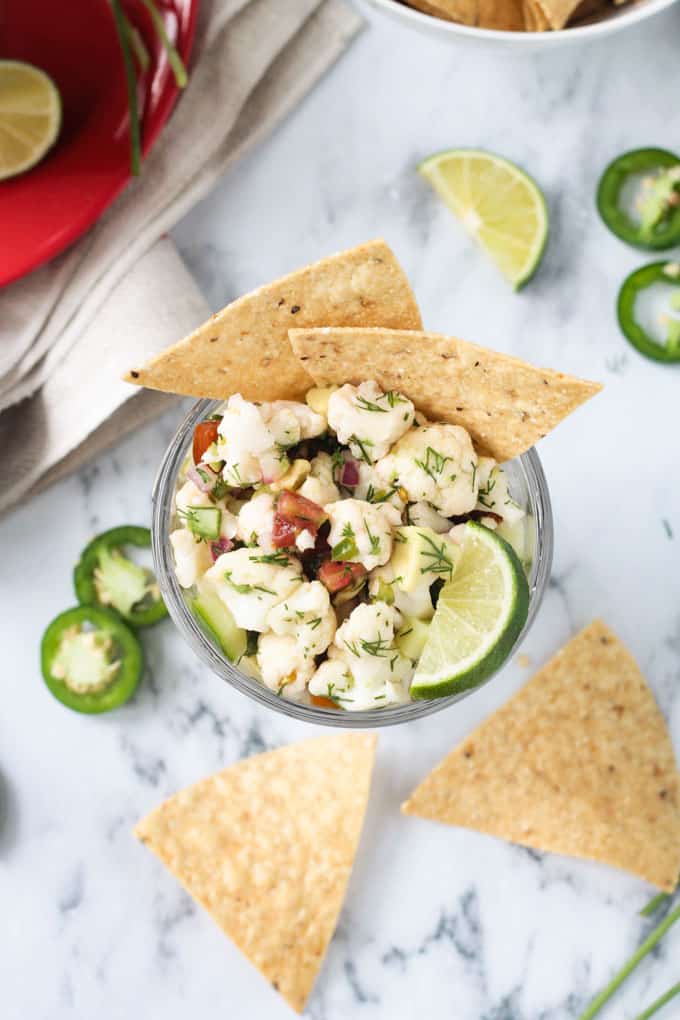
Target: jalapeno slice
column 633, row 285
column 91, row 661
column 105, row 577
column 659, row 206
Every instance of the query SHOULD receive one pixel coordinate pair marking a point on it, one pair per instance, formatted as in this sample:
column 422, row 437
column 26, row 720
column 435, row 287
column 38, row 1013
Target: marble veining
column 438, row 923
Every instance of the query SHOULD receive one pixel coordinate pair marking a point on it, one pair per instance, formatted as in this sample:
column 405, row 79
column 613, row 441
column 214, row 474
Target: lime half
column 30, row 116
column 479, row 616
column 497, row 203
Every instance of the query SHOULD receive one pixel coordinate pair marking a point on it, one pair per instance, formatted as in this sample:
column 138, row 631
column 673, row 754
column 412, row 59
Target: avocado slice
column 422, row 556
column 411, row 638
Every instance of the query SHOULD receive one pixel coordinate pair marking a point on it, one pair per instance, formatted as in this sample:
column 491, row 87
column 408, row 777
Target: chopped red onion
column 349, row 473
column 222, row 545
column 203, row 477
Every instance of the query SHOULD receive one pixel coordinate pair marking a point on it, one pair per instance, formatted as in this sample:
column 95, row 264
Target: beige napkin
column 68, row 330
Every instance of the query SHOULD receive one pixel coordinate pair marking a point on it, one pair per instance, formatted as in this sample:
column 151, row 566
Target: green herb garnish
column 373, row 539
column 433, row 464
column 649, row 943
column 439, row 561
column 362, row 444
column 278, row 559
column 246, row 589
column 367, row 405
column 131, row 45
column 659, row 1003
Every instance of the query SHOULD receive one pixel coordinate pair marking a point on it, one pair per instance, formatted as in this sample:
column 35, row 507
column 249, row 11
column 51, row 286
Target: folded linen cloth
column 68, row 330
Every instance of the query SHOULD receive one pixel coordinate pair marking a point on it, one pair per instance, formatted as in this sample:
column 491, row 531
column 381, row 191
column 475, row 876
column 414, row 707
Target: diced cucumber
column 203, row 521
column 211, row 611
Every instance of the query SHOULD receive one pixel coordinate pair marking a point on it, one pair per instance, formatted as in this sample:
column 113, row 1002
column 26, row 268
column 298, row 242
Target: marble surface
column 438, row 922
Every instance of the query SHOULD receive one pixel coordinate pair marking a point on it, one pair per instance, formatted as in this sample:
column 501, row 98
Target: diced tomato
column 205, row 433
column 284, row 532
column 301, row 510
column 293, row 514
column 336, row 576
column 321, row 702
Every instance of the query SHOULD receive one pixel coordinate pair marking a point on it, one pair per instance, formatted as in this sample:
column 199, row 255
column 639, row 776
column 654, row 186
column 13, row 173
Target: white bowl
column 621, row 17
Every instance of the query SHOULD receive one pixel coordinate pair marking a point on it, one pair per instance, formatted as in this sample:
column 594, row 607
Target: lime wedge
column 30, row 116
column 497, row 203
column 480, row 614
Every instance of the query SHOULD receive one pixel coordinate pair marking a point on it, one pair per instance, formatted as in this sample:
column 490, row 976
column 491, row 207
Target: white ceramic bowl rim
column 631, row 14
column 162, row 510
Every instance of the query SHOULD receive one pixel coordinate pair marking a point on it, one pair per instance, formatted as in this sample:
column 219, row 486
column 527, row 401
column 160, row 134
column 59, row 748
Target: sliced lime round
column 480, row 614
column 30, row 116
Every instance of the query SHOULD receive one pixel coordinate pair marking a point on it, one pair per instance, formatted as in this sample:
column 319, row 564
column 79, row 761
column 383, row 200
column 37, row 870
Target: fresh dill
column 434, row 463
column 246, row 589
column 362, row 445
column 439, row 562
column 278, row 559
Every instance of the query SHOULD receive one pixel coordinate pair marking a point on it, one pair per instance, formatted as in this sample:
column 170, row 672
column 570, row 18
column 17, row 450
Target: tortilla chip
column 267, row 847
column 558, row 12
column 505, row 404
column 244, row 348
column 578, row 762
column 498, row 14
column 534, row 18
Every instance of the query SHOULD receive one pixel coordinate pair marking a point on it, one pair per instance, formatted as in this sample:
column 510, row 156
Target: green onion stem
column 138, row 48
column 616, row 982
column 654, row 904
column 660, row 1002
column 174, row 58
column 131, row 80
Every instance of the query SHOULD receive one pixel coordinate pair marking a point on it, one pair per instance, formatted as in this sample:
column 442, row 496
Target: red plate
column 48, row 208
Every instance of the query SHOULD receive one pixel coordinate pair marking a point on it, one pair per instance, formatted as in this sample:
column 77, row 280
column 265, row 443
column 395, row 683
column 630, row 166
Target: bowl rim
column 429, row 23
column 162, row 508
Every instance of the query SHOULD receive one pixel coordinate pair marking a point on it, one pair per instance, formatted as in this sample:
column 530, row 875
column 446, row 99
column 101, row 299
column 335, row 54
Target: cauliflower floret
column 290, row 421
column 365, row 669
column 332, row 680
column 367, row 419
column 191, row 495
column 247, row 445
column 425, row 516
column 436, row 464
column 252, row 581
column 283, row 666
column 493, row 492
column 320, row 485
column 372, row 488
column 305, row 540
column 256, row 521
column 362, row 532
column 192, row 557
column 383, row 585
column 307, row 616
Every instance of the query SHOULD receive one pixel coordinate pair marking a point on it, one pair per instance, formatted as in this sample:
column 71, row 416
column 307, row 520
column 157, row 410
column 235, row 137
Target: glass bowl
column 529, row 489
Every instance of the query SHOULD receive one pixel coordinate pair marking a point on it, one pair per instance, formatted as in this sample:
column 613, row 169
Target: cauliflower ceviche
column 313, row 539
